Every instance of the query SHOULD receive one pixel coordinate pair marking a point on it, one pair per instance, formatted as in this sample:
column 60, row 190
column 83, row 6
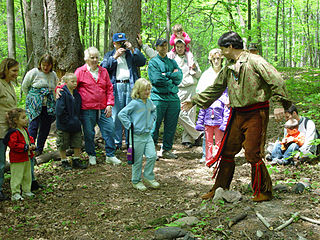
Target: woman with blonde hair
column 141, row 114
column 9, row 70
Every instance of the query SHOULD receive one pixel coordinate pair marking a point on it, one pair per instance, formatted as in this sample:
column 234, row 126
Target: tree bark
column 28, row 29
column 98, row 26
column 284, row 33
column 11, row 29
column 249, row 20
column 38, row 31
column 126, row 18
column 276, row 33
column 106, row 26
column 259, row 27
column 64, row 39
column 168, row 28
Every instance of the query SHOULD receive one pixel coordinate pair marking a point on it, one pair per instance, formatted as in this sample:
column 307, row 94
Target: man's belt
column 123, row 81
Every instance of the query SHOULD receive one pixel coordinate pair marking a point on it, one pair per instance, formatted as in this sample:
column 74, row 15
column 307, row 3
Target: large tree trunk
column 126, row 18
column 284, row 33
column 106, row 26
column 63, row 35
column 11, row 29
column 98, row 26
column 28, row 29
column 38, row 30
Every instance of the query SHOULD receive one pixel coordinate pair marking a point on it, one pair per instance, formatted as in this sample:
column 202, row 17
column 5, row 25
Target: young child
column 21, row 146
column 213, row 121
column 142, row 113
column 282, row 152
column 178, row 33
column 68, row 122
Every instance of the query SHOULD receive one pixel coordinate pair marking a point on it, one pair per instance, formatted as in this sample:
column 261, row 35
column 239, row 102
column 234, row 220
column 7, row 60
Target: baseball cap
column 117, row 37
column 291, row 123
column 160, row 41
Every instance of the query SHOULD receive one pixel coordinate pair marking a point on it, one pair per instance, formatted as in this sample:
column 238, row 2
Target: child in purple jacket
column 213, row 121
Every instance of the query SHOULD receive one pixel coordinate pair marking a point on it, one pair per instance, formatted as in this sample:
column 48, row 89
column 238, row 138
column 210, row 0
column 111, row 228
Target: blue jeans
column 3, row 149
column 285, row 155
column 122, row 96
column 204, row 146
column 43, row 124
column 143, row 145
column 89, row 119
column 168, row 111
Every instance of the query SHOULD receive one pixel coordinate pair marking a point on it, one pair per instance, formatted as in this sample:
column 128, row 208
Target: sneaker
column 16, row 197
column 36, row 186
column 28, row 195
column 169, row 154
column 268, row 157
column 140, row 186
column 2, row 196
column 92, row 160
column 66, row 165
column 76, row 163
column 113, row 160
column 202, row 160
column 152, row 183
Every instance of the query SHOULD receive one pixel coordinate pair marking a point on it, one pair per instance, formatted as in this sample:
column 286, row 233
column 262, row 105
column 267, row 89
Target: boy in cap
column 122, row 64
column 282, row 153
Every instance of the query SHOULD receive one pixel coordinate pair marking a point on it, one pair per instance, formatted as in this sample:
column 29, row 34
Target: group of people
column 234, row 102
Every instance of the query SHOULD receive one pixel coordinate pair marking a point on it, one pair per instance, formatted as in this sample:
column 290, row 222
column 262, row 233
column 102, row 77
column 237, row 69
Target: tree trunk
column 284, row 34
column 168, row 28
column 259, row 27
column 38, row 30
column 290, row 37
column 64, row 39
column 11, row 29
column 98, row 26
column 126, row 18
column 276, row 33
column 28, row 29
column 242, row 26
column 106, row 26
column 249, row 20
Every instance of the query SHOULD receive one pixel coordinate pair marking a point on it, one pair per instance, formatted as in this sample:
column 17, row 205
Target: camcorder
column 123, row 45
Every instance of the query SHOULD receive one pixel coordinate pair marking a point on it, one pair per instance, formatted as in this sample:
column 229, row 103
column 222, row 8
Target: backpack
column 316, row 137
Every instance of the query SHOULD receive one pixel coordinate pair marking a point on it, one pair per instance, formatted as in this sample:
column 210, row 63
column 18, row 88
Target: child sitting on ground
column 178, row 33
column 21, row 146
column 68, row 122
column 142, row 113
column 282, row 152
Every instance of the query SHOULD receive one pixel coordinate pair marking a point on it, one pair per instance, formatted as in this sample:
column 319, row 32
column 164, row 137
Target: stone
column 187, row 221
column 168, row 233
column 218, row 194
column 231, row 196
column 299, row 188
column 281, row 188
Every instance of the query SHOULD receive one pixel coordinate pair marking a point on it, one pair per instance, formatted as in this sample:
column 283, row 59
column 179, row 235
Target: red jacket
column 19, row 150
column 94, row 94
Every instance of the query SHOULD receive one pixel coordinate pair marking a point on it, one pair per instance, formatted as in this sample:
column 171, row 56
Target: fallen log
column 310, row 220
column 237, row 219
column 264, row 221
column 282, row 226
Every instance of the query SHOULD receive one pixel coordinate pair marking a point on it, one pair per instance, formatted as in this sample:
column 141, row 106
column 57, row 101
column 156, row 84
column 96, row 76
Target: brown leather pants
column 248, row 130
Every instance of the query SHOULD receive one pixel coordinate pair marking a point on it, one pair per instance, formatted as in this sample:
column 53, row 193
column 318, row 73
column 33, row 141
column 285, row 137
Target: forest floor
column 100, row 202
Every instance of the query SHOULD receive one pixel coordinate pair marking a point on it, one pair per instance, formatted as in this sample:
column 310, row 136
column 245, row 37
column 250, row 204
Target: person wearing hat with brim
column 253, row 48
column 187, row 88
column 282, row 153
column 122, row 64
column 165, row 76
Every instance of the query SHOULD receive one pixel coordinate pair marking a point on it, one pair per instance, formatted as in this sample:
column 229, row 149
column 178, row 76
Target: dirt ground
column 100, row 203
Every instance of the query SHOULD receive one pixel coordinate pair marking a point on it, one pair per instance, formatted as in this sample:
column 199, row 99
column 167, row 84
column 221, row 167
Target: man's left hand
column 108, row 111
column 278, row 113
